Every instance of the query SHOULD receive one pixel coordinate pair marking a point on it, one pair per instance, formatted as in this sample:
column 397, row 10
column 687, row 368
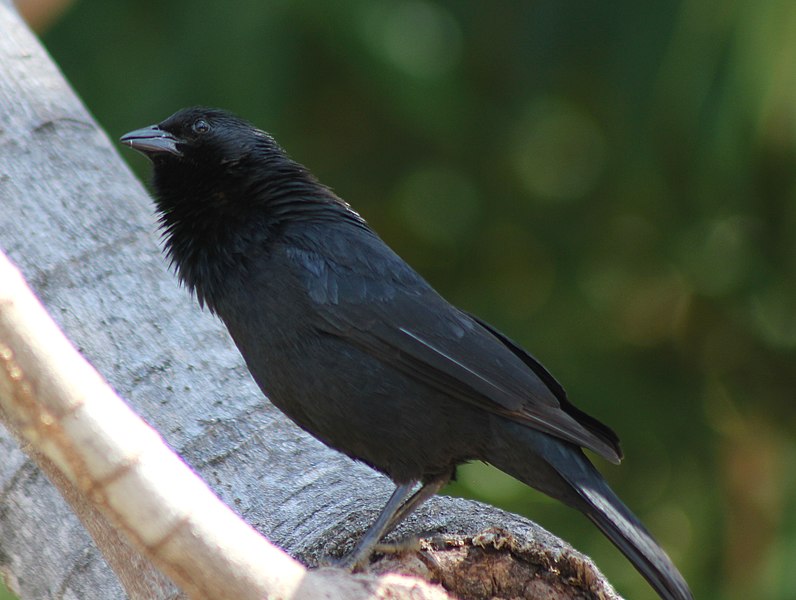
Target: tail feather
column 562, row 471
column 615, row 520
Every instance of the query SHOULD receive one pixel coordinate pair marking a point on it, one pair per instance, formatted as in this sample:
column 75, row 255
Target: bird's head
column 204, row 137
column 213, row 164
column 218, row 180
column 211, row 159
column 214, row 177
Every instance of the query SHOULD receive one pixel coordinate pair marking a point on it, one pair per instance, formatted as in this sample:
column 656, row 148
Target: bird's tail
column 562, row 471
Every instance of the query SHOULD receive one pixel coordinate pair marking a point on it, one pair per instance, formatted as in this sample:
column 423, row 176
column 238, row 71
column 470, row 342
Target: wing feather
column 376, row 302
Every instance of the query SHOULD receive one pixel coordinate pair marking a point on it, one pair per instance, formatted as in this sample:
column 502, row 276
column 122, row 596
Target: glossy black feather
column 357, row 348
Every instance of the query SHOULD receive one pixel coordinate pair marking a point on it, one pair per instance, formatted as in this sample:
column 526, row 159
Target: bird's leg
column 393, row 513
column 372, row 536
column 420, row 496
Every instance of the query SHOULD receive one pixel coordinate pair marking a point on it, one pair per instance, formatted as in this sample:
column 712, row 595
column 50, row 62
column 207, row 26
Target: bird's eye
column 201, row 126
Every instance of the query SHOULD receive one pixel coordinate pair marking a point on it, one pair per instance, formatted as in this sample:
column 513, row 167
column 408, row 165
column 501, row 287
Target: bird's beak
column 151, row 140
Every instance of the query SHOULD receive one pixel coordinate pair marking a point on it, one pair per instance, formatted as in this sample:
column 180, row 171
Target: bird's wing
column 539, row 369
column 379, row 304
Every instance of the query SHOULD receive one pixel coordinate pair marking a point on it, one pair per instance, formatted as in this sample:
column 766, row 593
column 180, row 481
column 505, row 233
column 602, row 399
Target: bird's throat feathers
column 214, row 220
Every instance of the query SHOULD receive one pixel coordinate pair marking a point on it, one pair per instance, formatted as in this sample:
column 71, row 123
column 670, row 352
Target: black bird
column 358, row 349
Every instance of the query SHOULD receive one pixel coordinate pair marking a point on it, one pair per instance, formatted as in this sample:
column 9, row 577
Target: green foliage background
column 610, row 183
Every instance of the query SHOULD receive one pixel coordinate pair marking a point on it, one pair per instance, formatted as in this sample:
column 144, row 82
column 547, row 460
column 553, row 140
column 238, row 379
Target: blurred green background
column 610, row 183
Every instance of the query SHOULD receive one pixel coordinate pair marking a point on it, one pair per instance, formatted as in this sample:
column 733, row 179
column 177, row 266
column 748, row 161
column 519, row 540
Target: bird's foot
column 354, row 561
column 411, row 544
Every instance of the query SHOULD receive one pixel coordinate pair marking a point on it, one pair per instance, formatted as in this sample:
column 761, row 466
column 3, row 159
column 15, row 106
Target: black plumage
column 356, row 347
